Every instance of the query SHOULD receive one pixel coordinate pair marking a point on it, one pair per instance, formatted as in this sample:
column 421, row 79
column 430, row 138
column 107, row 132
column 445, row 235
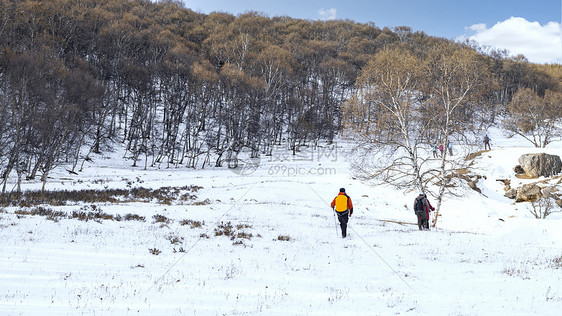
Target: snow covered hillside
column 263, row 241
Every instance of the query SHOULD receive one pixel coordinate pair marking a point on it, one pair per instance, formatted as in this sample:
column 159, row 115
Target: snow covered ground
column 284, row 255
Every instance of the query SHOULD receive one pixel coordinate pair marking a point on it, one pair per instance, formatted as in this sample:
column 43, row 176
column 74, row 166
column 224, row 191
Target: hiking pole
column 336, row 222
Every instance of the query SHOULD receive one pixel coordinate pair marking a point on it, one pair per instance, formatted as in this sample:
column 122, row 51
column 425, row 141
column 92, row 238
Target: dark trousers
column 422, row 223
column 343, row 217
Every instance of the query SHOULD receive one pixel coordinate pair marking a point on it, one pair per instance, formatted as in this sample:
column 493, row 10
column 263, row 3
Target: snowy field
column 264, row 242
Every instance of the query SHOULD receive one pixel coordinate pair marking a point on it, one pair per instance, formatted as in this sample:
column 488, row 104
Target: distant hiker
column 487, row 143
column 441, row 148
column 422, row 207
column 435, row 151
column 450, row 146
column 344, row 209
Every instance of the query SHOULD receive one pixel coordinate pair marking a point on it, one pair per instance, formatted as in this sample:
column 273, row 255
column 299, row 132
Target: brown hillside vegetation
column 176, row 87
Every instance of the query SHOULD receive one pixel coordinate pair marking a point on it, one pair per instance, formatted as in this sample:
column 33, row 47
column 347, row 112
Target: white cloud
column 327, row 14
column 539, row 43
column 478, row 27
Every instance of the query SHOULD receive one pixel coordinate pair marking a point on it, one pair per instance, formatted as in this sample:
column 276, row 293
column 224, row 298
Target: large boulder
column 540, row 165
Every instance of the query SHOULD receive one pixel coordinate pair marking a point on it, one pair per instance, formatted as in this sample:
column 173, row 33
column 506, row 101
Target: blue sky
column 524, row 27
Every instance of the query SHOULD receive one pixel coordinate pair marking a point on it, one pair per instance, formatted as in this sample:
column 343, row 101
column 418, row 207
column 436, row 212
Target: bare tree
column 544, row 204
column 456, row 79
column 536, row 119
column 404, row 103
column 386, row 119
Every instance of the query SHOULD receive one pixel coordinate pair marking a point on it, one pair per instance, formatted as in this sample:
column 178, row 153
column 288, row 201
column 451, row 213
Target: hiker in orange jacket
column 344, row 208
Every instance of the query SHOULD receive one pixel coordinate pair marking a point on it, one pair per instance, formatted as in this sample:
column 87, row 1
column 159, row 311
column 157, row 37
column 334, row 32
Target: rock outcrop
column 470, row 178
column 472, row 185
column 528, row 193
column 531, row 166
column 511, row 194
column 539, row 165
column 533, row 191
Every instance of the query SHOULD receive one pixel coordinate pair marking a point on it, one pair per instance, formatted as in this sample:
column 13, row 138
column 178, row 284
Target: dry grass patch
column 164, row 195
column 191, row 223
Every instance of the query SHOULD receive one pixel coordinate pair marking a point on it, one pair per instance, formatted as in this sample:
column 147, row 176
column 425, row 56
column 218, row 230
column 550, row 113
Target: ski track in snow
column 473, row 264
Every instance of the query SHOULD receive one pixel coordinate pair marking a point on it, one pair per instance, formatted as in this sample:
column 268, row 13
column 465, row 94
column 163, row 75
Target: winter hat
column 342, row 190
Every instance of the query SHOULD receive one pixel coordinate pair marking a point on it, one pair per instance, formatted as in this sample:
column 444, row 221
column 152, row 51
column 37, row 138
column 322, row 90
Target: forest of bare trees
column 179, row 88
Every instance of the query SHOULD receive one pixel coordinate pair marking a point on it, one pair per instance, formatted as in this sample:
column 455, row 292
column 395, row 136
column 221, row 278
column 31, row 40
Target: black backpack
column 418, row 205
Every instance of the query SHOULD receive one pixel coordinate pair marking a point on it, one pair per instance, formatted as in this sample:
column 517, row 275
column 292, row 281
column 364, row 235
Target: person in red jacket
column 344, row 208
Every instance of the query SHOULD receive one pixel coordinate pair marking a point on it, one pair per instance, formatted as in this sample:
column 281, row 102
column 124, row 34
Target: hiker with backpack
column 487, row 143
column 422, row 207
column 344, row 209
column 435, row 151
